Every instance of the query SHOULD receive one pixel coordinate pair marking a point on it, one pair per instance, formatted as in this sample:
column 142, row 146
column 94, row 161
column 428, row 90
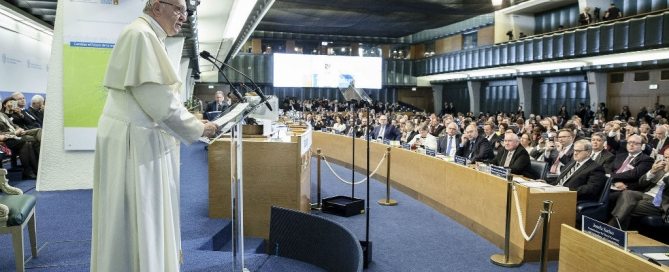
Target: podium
column 275, row 173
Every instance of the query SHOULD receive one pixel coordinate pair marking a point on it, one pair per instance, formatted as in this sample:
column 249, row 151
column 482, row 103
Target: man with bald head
column 583, row 174
column 514, row 156
column 475, row 147
column 136, row 225
column 449, row 143
column 629, row 166
column 659, row 142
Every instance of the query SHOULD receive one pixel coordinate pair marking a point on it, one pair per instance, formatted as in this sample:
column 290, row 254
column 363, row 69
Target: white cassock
column 136, row 182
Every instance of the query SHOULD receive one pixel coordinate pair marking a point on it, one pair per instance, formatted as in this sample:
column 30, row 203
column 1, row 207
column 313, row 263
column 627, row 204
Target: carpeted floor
column 407, row 237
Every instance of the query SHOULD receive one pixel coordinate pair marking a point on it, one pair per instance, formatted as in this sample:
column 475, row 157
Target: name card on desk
column 430, row 152
column 604, row 232
column 386, row 142
column 406, row 146
column 460, row 160
column 499, row 171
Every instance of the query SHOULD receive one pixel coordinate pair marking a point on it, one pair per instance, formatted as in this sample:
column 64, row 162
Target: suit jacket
column 481, row 152
column 24, row 120
column 211, row 106
column 646, row 184
column 520, row 161
column 391, row 133
column 654, row 142
column 436, row 129
column 588, row 181
column 411, row 135
column 605, row 159
column 38, row 114
column 442, row 143
column 564, row 160
column 642, row 163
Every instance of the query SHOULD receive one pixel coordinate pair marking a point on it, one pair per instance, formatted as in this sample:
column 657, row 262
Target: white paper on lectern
column 227, row 120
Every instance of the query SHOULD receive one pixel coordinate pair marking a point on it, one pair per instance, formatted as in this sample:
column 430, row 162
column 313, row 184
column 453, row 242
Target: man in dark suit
column 599, row 154
column 219, row 104
column 36, row 108
column 628, row 167
column 558, row 154
column 583, row 175
column 385, row 131
column 489, row 134
column 514, row 155
column 448, row 144
column 474, row 147
column 651, row 199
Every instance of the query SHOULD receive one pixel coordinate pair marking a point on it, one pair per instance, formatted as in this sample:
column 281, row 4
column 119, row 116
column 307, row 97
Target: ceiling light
column 497, row 3
column 238, row 15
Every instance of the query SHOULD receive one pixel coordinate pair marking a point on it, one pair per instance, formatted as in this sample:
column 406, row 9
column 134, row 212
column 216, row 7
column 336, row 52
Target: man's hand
column 620, row 186
column 657, row 166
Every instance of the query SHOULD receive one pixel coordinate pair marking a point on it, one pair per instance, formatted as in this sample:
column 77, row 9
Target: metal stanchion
column 317, row 205
column 506, row 260
column 546, row 216
column 387, row 201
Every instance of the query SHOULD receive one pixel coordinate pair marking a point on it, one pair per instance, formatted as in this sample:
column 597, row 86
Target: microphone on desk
column 206, row 55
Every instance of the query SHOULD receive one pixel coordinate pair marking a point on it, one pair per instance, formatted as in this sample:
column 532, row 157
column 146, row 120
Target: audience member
column 585, row 18
column 583, row 175
column 558, row 154
column 612, row 13
column 514, row 156
column 18, row 141
column 20, row 115
column 599, row 154
column 475, row 147
column 385, row 131
column 448, row 144
column 36, row 108
column 651, row 198
column 424, row 139
column 629, row 166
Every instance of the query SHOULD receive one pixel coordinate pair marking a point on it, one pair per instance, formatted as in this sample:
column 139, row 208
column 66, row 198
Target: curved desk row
column 475, row 199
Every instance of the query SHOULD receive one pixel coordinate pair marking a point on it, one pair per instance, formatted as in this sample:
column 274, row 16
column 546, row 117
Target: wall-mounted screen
column 319, row 71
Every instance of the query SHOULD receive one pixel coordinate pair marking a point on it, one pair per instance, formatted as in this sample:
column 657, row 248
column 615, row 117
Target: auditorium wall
column 636, row 89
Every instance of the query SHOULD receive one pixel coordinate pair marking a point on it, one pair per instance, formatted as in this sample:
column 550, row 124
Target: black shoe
column 29, row 176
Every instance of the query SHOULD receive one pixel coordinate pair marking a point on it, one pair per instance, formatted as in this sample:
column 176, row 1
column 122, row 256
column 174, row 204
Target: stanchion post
column 506, row 260
column 546, row 216
column 387, row 201
column 317, row 205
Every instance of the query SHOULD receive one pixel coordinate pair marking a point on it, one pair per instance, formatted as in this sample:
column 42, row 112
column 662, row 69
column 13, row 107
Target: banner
column 90, row 30
column 24, row 59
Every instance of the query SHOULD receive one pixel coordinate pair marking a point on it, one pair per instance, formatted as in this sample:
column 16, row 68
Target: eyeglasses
column 579, row 150
column 178, row 9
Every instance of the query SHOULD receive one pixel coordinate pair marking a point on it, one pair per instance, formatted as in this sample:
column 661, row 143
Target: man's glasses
column 179, row 9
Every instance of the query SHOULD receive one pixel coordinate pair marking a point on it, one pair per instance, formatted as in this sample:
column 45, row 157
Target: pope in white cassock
column 136, row 183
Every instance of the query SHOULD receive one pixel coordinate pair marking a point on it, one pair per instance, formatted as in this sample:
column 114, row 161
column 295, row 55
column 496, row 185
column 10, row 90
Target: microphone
column 257, row 89
column 233, row 90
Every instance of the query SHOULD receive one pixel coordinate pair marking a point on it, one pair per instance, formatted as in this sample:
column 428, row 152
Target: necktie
column 448, row 146
column 508, row 159
column 568, row 175
column 594, row 156
column 626, row 163
column 657, row 200
column 471, row 150
column 382, row 132
column 556, row 165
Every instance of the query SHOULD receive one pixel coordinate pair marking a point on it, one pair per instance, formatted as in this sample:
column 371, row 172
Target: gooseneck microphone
column 210, row 58
column 206, row 55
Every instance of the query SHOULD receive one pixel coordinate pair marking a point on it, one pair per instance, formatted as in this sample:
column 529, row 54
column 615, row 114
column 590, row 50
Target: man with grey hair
column 514, row 156
column 136, row 176
column 582, row 174
column 37, row 108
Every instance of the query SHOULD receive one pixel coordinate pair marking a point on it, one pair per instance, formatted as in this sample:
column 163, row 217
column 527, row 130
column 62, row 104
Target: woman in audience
column 339, row 127
column 408, row 132
column 625, row 114
column 18, row 141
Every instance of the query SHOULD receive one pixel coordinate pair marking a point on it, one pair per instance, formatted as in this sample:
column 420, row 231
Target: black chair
column 537, row 170
column 597, row 210
column 655, row 227
column 313, row 239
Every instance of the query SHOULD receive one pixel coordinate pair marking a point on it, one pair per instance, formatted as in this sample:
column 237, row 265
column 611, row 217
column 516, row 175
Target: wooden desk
column 476, row 200
column 582, row 252
column 275, row 173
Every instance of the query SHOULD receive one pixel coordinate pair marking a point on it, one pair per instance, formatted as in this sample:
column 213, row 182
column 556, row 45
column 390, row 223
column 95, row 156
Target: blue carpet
column 407, row 237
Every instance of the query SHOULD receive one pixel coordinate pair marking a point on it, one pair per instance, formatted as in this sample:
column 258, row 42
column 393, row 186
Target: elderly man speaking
column 136, row 179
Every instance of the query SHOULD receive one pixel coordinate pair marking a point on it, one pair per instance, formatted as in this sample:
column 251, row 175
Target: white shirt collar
column 160, row 32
